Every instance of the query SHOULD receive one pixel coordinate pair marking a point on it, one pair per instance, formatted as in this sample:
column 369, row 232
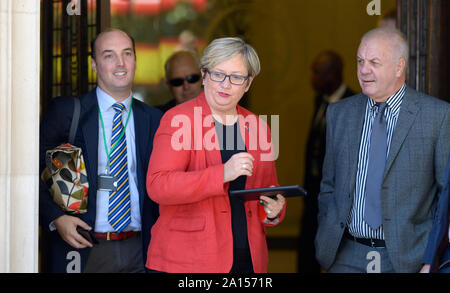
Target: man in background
column 327, row 82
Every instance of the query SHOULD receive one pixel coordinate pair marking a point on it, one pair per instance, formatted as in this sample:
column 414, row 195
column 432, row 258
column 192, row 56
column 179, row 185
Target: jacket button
column 249, row 213
column 342, row 225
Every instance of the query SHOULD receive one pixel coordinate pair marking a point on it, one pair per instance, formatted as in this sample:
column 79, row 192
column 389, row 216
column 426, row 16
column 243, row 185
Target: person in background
column 327, row 82
column 183, row 78
column 203, row 149
column 388, row 20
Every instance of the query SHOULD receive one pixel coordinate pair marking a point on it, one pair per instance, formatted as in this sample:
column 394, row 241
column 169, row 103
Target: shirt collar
column 105, row 101
column 393, row 101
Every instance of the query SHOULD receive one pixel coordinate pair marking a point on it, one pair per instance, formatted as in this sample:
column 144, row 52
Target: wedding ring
column 244, row 166
column 268, row 212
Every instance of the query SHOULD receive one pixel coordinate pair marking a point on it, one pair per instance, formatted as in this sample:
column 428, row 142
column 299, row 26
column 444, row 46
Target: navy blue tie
column 375, row 169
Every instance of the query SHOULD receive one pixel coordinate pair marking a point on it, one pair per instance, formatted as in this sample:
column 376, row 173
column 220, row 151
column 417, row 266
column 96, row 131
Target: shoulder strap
column 75, row 118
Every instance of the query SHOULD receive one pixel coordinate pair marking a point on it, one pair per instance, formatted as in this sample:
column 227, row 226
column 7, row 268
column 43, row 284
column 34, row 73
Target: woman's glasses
column 220, row 77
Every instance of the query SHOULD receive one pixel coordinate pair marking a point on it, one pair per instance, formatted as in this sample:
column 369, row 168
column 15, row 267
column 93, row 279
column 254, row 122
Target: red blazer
column 185, row 177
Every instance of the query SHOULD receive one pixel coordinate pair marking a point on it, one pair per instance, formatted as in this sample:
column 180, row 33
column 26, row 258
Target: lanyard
column 108, row 154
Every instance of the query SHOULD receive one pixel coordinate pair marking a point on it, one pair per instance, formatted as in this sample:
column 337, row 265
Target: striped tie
column 119, row 214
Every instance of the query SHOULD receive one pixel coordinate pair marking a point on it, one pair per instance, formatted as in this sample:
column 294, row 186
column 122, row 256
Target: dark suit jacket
column 54, row 130
column 440, row 226
column 413, row 176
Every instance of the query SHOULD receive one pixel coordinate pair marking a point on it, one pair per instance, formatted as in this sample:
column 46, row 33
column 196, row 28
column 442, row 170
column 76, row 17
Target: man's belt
column 116, row 236
column 376, row 243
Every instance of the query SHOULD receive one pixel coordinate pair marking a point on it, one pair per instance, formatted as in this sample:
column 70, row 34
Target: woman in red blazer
column 202, row 149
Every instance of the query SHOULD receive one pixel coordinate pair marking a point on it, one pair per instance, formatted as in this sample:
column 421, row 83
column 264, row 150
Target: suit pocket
column 187, row 224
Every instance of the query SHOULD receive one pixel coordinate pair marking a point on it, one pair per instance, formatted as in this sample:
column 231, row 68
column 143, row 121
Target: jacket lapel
column 407, row 116
column 354, row 131
column 89, row 127
column 89, row 130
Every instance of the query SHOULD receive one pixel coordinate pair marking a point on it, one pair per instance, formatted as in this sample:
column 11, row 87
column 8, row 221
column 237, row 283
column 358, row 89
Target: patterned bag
column 65, row 173
column 66, row 178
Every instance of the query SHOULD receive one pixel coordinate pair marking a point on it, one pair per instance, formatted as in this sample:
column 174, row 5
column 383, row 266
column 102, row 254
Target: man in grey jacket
column 384, row 166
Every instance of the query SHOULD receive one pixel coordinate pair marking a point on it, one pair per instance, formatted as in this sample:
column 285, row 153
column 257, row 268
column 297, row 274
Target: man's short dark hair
column 107, row 31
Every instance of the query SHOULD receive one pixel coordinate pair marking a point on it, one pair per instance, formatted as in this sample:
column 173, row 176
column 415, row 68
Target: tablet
column 254, row 194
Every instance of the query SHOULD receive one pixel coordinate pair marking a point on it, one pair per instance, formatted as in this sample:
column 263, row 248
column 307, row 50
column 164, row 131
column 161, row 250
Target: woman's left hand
column 273, row 207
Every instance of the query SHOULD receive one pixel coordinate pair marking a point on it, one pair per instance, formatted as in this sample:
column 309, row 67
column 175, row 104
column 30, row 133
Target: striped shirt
column 356, row 224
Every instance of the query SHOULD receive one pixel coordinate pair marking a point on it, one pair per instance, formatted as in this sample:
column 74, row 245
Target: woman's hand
column 273, row 207
column 239, row 164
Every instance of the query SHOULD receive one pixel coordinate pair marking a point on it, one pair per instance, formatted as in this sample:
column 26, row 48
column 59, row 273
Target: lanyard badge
column 106, row 182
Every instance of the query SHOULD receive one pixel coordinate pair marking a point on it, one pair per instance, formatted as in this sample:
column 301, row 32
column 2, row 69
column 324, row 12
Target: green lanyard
column 108, row 154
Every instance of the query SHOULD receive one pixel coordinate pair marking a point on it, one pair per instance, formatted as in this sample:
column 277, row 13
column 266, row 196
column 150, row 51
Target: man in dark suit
column 120, row 248
column 327, row 81
column 384, row 166
column 437, row 254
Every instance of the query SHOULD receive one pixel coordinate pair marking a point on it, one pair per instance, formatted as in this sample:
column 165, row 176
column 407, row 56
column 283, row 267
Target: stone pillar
column 19, row 134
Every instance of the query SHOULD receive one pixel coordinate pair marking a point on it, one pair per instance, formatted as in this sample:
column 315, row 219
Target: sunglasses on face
column 193, row 78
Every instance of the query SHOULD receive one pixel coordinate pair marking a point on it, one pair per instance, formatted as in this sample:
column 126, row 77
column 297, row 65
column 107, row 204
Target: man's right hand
column 67, row 229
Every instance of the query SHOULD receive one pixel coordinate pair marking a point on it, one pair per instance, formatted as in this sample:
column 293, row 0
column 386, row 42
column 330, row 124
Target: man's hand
column 239, row 164
column 67, row 229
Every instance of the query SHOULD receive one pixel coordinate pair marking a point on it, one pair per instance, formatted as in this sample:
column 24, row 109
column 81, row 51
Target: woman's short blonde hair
column 223, row 49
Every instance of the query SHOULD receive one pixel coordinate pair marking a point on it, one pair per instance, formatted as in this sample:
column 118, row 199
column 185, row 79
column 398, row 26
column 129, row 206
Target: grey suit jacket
column 413, row 176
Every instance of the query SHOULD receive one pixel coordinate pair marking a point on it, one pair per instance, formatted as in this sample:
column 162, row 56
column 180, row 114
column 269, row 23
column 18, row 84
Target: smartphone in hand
column 88, row 235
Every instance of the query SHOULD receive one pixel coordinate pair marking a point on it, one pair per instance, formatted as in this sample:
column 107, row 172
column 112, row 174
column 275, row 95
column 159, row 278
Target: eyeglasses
column 193, row 78
column 220, row 77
